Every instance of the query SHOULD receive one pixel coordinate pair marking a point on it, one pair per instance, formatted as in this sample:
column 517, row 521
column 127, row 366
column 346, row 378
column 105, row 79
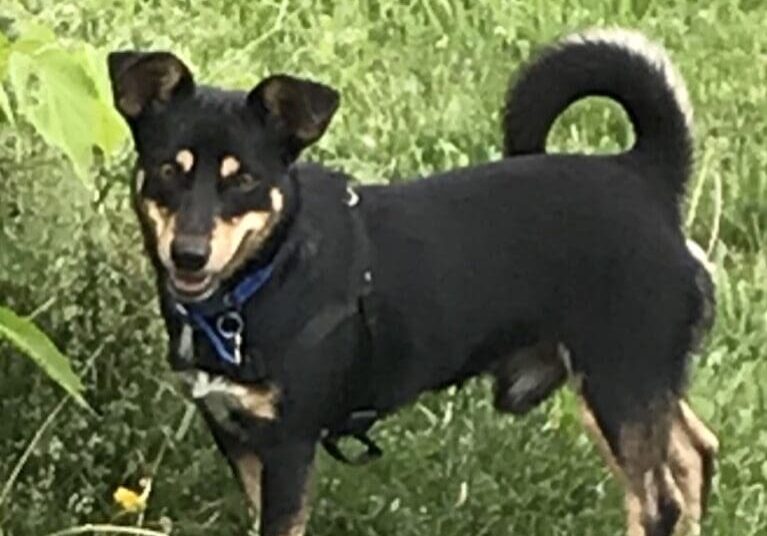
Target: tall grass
column 422, row 83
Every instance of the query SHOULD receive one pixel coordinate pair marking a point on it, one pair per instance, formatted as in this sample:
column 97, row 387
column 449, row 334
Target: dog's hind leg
column 686, row 476
column 628, row 377
column 637, row 453
column 691, row 457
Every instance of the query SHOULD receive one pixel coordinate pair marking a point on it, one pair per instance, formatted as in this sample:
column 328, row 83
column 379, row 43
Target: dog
column 301, row 309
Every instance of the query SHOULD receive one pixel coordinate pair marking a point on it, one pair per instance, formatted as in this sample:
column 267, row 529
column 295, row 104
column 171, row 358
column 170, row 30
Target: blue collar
column 219, row 318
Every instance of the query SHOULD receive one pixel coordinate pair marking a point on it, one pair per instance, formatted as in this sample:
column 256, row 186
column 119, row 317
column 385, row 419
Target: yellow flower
column 129, row 500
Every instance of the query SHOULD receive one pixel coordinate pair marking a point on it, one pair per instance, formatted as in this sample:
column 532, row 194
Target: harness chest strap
column 221, row 320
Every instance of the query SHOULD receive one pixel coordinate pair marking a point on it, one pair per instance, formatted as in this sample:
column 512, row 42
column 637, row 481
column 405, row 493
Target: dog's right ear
column 141, row 78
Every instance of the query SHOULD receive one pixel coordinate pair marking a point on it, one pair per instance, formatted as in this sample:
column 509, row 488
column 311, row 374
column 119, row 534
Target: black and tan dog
column 301, row 310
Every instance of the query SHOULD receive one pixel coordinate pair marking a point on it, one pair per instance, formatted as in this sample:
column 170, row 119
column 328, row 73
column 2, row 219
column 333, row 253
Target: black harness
column 220, row 320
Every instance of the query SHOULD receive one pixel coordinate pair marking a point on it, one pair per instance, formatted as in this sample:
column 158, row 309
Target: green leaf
column 62, row 93
column 36, row 345
column 32, row 36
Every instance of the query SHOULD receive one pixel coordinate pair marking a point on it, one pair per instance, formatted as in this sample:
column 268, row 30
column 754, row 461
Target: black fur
column 569, row 71
column 566, row 72
column 468, row 267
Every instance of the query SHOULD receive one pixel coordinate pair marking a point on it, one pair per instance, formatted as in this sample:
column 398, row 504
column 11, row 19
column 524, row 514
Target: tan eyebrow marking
column 229, row 166
column 185, row 159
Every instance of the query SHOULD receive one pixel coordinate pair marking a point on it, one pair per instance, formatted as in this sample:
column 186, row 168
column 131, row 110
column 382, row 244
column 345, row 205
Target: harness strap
column 358, row 423
column 220, row 320
column 357, row 427
column 249, row 285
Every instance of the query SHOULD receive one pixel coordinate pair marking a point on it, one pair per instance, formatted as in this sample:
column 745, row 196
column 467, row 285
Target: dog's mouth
column 192, row 286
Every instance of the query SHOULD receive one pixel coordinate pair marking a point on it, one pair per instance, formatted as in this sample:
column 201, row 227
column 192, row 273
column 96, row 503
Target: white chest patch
column 223, row 393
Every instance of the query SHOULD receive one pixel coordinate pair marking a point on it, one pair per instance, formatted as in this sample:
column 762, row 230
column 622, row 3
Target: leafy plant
column 62, row 90
column 37, row 346
column 421, row 83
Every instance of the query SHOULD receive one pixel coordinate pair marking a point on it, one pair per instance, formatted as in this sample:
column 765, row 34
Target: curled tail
column 619, row 64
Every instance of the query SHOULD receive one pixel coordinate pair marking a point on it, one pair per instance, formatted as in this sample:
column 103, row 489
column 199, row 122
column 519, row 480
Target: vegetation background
column 422, row 83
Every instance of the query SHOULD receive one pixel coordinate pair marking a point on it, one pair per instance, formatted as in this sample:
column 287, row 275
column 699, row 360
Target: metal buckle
column 229, row 326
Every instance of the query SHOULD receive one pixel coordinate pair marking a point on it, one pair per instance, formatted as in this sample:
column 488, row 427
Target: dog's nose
column 190, row 252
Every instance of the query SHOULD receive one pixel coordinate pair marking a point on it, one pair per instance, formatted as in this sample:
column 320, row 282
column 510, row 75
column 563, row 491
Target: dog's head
column 212, row 164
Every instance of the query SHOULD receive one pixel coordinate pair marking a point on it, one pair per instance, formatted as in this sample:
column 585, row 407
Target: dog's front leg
column 285, row 480
column 245, row 464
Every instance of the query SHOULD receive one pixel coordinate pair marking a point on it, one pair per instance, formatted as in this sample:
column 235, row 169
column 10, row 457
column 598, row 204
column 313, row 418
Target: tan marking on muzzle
column 185, row 159
column 229, row 166
column 228, row 237
column 164, row 225
column 233, row 242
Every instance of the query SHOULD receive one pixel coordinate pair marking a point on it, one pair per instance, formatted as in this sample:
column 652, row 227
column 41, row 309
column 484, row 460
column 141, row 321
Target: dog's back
column 529, row 248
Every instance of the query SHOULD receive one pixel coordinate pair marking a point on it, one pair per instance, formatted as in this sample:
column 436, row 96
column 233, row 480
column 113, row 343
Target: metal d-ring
column 230, row 325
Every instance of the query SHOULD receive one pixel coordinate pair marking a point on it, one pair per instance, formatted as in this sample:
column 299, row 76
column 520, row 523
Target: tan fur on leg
column 249, row 473
column 649, row 483
column 631, row 501
column 297, row 526
column 691, row 455
column 687, row 469
column 704, row 439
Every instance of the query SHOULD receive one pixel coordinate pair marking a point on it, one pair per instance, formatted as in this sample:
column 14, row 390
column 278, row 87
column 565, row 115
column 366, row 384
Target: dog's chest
column 226, row 399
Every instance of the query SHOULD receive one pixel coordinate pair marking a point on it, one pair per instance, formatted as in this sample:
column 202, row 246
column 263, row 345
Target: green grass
column 422, row 83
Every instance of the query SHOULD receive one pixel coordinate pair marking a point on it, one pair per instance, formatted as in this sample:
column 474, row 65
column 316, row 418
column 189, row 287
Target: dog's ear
column 141, row 78
column 299, row 109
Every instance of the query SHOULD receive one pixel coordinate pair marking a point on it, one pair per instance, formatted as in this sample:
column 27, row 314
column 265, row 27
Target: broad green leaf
column 36, row 345
column 32, row 36
column 58, row 93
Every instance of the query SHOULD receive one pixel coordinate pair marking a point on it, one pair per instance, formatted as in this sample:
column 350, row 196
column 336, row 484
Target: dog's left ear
column 300, row 109
column 141, row 78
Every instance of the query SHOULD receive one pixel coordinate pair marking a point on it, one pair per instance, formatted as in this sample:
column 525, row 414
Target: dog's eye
column 168, row 171
column 246, row 181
